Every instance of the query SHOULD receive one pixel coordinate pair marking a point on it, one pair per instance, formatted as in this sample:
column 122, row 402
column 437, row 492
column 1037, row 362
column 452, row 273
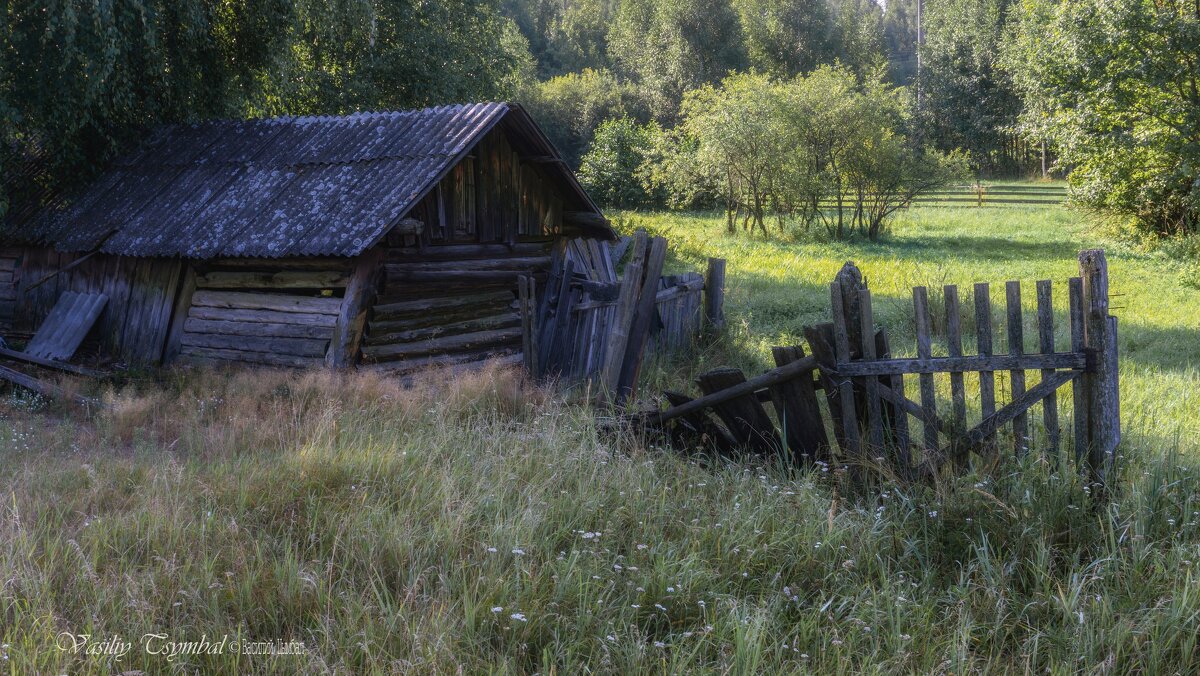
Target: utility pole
column 920, row 41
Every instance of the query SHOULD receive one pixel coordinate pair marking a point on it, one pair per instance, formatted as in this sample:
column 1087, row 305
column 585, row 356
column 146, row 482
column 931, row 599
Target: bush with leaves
column 1115, row 87
column 570, row 108
column 822, row 148
column 617, row 169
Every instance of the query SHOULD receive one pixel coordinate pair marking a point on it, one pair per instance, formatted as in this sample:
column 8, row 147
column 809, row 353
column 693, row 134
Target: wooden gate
column 866, row 388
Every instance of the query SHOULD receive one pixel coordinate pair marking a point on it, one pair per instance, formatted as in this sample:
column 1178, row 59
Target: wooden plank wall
column 449, row 304
column 491, row 196
column 140, row 293
column 267, row 312
column 10, row 263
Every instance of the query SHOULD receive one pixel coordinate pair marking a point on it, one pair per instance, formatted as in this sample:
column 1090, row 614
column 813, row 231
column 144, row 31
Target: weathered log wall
column 260, row 311
column 449, row 304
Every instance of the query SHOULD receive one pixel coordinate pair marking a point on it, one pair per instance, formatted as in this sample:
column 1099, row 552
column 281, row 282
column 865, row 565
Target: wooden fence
column 590, row 324
column 865, row 387
column 985, row 195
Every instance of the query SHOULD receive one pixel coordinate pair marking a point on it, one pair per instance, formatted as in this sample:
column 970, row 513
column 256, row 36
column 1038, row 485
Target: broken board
column 67, row 325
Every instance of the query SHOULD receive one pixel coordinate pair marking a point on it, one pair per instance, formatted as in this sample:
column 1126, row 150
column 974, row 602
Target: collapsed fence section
column 589, row 324
column 865, row 387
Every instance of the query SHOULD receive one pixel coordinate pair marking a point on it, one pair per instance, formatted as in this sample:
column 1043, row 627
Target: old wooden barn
column 393, row 239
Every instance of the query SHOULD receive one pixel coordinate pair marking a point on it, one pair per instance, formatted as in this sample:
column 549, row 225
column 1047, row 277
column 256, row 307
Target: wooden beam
column 714, row 294
column 51, row 363
column 795, row 369
column 179, row 313
column 352, row 316
column 990, row 425
column 1100, row 387
column 42, row 387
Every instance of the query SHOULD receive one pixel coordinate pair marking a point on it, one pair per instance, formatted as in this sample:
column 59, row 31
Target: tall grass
column 481, row 524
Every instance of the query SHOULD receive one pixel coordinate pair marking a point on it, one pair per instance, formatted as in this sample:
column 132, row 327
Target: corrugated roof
column 291, row 186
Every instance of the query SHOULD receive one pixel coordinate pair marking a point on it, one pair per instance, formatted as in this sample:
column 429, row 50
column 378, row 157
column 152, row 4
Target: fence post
column 714, row 294
column 1100, row 384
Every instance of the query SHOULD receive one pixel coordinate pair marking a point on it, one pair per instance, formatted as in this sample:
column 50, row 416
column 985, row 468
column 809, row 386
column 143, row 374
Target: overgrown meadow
column 482, row 524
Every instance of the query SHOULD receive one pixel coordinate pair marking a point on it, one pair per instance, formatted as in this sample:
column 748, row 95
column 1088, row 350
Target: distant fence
column 987, row 195
column 590, row 324
column 995, row 195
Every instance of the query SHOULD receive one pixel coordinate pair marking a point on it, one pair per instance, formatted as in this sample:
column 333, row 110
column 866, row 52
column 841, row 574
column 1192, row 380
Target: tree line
column 1102, row 92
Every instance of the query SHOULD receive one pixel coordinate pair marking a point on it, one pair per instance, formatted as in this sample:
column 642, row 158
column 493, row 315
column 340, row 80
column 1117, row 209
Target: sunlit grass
column 480, row 525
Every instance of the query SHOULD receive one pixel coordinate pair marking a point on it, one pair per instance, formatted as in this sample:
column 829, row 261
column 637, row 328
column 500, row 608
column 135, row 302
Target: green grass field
column 484, row 526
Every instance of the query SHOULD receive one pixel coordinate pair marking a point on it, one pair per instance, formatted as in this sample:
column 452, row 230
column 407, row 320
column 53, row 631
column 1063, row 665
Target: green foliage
column 398, row 54
column 967, row 101
column 786, row 37
column 818, row 148
column 79, row 80
column 667, row 47
column 570, row 107
column 617, row 169
column 1114, row 87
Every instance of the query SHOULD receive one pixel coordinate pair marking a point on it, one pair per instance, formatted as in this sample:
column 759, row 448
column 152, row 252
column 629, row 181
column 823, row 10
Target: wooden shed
column 392, row 239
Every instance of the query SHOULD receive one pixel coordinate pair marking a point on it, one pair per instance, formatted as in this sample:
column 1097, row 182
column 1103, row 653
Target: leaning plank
column 298, row 347
column 352, row 313
column 1016, row 346
column 1046, row 345
column 799, row 368
column 820, row 342
column 899, row 418
column 643, row 319
column 290, row 279
column 958, row 394
column 983, row 342
column 275, row 302
column 50, row 363
column 622, row 317
column 466, row 341
column 261, row 316
column 845, row 388
column 42, row 387
column 1079, row 401
column 179, row 312
column 744, row 416
column 1059, row 360
column 924, row 351
column 1017, row 407
column 867, row 337
column 799, row 414
column 72, row 323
